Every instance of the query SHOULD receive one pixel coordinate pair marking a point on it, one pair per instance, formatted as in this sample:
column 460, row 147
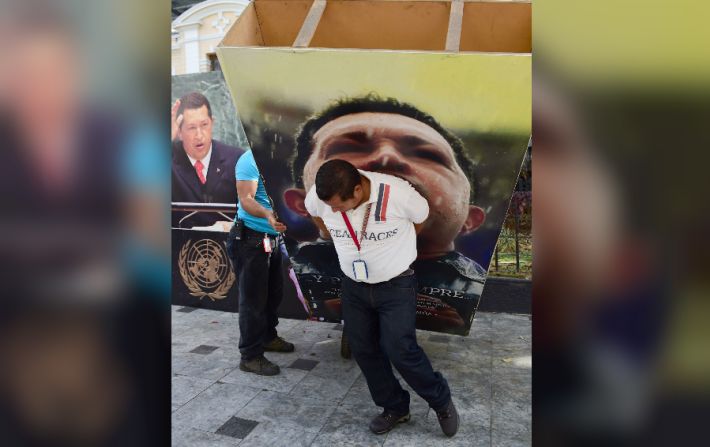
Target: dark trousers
column 260, row 292
column 379, row 323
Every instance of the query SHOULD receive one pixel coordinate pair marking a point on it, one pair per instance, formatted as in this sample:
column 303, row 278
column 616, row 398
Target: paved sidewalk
column 321, row 399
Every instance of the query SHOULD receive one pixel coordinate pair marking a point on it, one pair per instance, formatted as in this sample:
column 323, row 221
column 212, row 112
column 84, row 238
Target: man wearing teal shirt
column 258, row 262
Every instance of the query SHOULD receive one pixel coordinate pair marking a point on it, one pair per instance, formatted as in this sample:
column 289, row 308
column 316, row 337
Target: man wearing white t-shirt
column 373, row 220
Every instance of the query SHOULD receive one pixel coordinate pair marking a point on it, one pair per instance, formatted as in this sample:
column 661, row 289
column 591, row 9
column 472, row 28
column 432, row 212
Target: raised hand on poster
column 175, row 121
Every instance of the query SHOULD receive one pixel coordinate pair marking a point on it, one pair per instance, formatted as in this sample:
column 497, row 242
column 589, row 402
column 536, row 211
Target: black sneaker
column 260, row 365
column 386, row 421
column 278, row 344
column 448, row 419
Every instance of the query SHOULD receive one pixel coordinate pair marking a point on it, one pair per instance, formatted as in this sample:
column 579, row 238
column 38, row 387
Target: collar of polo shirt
column 373, row 195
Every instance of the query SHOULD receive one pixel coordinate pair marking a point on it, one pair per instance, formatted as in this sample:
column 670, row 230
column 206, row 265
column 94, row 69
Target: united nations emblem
column 206, row 269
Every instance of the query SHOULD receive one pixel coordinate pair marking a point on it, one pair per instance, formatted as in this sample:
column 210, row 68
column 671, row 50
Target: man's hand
column 275, row 224
column 175, row 121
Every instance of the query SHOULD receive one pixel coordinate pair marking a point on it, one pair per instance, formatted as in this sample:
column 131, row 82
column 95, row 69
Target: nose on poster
column 444, row 86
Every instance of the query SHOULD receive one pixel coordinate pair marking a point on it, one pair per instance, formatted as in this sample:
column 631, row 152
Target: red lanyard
column 358, row 244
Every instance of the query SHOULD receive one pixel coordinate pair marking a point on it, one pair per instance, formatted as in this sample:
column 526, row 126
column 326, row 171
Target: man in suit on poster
column 202, row 168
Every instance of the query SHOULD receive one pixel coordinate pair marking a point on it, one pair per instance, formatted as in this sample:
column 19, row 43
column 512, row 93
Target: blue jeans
column 260, row 292
column 379, row 323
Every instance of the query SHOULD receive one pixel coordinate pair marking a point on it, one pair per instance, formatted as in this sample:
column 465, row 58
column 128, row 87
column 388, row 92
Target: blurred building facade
column 197, row 31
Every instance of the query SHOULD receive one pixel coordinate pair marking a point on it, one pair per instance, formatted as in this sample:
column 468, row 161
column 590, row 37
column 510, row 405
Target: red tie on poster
column 198, row 168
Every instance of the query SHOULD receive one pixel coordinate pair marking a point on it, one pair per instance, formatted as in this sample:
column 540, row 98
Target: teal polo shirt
column 246, row 170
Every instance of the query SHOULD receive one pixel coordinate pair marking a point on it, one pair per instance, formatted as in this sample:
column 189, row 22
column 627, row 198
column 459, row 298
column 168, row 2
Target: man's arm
column 246, row 190
column 417, row 210
column 321, row 226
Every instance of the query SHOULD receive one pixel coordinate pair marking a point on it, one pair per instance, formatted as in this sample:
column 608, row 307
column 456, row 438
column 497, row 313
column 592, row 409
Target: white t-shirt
column 390, row 242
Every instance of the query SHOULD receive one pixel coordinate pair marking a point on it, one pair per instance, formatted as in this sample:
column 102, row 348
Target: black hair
column 194, row 100
column 336, row 177
column 375, row 104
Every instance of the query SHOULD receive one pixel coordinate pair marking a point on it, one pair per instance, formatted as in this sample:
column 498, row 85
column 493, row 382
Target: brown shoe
column 260, row 365
column 386, row 421
column 278, row 344
column 448, row 419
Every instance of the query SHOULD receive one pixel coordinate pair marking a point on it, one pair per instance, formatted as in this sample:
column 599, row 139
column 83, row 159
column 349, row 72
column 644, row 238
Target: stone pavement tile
column 439, row 338
column 313, row 332
column 179, row 360
column 284, row 382
column 185, row 388
column 521, row 342
column 177, row 432
column 488, row 371
column 180, row 324
column 477, row 344
column 332, row 365
column 287, row 411
column 286, row 324
column 181, row 345
column 212, row 366
column 304, row 364
column 423, row 431
column 502, row 441
column 511, row 425
column 204, row 349
column 483, row 333
column 189, row 339
column 230, row 351
column 358, row 394
column 476, row 356
column 326, row 442
column 478, row 361
column 328, row 351
column 284, row 359
column 464, row 362
column 349, row 425
column 512, row 358
column 218, row 332
column 197, row 317
column 511, row 417
column 198, row 438
column 276, row 435
column 186, row 309
column 237, row 427
column 215, row 328
column 464, row 378
column 511, row 327
column 504, row 319
column 492, row 327
column 214, row 406
column 327, row 348
column 483, row 318
column 330, row 389
column 472, row 410
column 512, row 384
column 434, row 350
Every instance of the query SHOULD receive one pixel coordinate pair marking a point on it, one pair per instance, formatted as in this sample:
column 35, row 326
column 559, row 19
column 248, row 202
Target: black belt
column 260, row 234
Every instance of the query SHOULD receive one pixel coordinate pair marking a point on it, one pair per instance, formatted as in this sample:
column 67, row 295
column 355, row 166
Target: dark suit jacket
column 220, row 186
